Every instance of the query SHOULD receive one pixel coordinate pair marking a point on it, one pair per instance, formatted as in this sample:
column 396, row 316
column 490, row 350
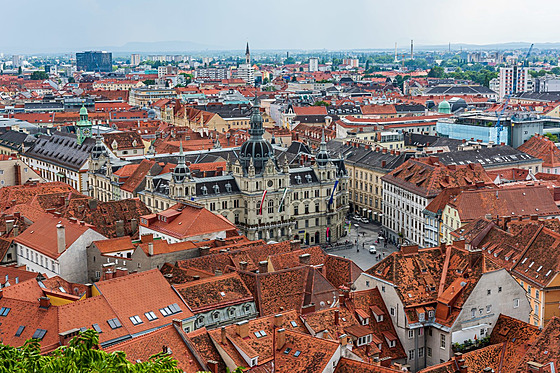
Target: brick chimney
column 336, row 317
column 9, row 225
column 278, row 320
column 280, row 339
column 223, row 335
column 305, row 259
column 242, row 329
column 204, row 250
column 119, row 226
column 534, row 367
column 133, row 225
column 150, row 248
column 263, row 266
column 243, row 265
column 44, row 303
column 295, row 245
column 212, row 366
column 61, row 238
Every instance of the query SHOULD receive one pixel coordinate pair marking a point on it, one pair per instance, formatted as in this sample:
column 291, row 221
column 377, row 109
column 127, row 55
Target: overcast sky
column 30, row 26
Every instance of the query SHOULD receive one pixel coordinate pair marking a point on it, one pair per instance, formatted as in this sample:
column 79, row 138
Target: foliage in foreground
column 81, row 355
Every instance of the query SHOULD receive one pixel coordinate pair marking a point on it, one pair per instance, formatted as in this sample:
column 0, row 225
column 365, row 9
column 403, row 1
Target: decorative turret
column 247, row 55
column 98, row 149
column 83, row 126
column 322, row 157
column 181, row 171
column 256, row 150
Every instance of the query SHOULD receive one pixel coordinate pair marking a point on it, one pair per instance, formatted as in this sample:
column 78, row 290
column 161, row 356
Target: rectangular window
column 489, row 308
column 20, row 330
column 516, row 303
column 410, row 334
column 442, row 341
column 151, row 316
column 97, row 328
column 410, row 354
column 421, row 352
column 392, row 311
column 114, row 323
column 429, row 351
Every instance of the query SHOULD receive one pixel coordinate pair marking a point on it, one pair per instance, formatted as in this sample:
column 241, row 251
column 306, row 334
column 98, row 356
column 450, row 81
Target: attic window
column 228, row 187
column 4, row 311
column 20, row 330
column 297, row 353
column 523, row 261
column 204, row 190
column 39, row 334
column 294, row 324
column 308, row 178
column 260, row 333
column 136, row 320
column 150, row 316
column 530, row 265
column 287, row 351
column 538, row 269
column 222, row 294
column 114, row 323
column 216, row 189
column 97, row 328
column 298, row 179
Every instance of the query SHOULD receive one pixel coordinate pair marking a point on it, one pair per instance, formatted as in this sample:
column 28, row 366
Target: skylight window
column 4, row 311
column 287, row 351
column 297, row 353
column 548, row 273
column 170, row 310
column 97, row 328
column 258, row 334
column 39, row 334
column 151, row 316
column 136, row 320
column 538, row 269
column 523, row 261
column 294, row 324
column 114, row 323
column 20, row 330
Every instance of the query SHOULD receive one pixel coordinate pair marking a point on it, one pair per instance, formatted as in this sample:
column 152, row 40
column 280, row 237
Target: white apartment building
column 511, row 74
column 313, row 64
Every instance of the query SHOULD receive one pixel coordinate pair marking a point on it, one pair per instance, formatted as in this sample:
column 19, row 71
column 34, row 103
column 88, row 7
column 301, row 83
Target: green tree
column 81, row 355
column 555, row 70
column 321, row 103
column 39, row 75
column 71, row 80
column 289, row 61
column 436, row 72
column 188, row 77
column 19, row 70
column 149, row 82
column 551, row 137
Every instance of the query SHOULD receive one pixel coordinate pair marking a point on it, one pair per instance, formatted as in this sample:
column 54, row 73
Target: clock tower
column 83, row 126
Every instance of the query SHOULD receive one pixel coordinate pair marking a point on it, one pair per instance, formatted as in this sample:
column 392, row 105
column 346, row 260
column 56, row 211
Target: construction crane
column 499, row 125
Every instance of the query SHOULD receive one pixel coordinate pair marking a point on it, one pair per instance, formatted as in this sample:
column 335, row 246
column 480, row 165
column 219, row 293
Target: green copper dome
column 83, row 111
column 444, row 107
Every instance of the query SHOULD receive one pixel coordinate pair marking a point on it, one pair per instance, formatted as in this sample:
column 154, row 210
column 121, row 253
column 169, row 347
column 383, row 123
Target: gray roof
column 487, row 156
column 61, row 149
column 460, row 90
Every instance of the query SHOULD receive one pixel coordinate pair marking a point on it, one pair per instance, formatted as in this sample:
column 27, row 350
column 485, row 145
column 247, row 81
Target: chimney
column 178, row 324
column 147, row 238
column 61, row 238
column 223, row 335
column 92, row 203
column 383, row 164
column 120, row 228
column 212, row 366
column 278, row 320
column 280, row 338
column 15, row 231
column 343, row 339
column 9, row 225
column 243, row 329
column 310, row 308
column 463, row 369
column 534, row 217
column 44, row 303
column 534, row 367
column 263, row 266
column 295, row 245
column 150, row 248
column 336, row 317
column 133, row 225
column 243, row 265
column 305, row 259
column 203, row 250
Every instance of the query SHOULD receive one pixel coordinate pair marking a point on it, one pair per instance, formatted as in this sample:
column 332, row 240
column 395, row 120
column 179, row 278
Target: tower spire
column 247, row 55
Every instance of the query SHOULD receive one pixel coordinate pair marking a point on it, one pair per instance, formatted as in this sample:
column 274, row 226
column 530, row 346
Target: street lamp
column 357, row 236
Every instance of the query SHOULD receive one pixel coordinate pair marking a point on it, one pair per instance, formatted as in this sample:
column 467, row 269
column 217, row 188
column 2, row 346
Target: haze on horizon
column 33, row 26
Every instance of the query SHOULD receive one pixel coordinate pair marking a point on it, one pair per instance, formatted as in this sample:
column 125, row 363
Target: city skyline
column 100, row 24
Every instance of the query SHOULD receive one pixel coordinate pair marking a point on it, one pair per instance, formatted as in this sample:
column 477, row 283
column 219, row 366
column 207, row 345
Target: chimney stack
column 336, row 317
column 280, row 338
column 204, row 250
column 305, row 259
column 9, row 225
column 263, row 266
column 61, row 238
column 243, row 265
column 278, row 320
column 119, row 228
column 223, row 335
column 151, row 248
column 212, row 366
column 44, row 302
column 243, row 329
column 133, row 225
column 15, row 231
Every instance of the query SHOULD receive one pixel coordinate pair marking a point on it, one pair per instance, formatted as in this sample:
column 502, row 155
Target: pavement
column 366, row 234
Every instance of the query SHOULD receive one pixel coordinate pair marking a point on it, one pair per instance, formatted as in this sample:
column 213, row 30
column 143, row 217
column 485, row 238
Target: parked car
column 372, row 249
column 365, row 220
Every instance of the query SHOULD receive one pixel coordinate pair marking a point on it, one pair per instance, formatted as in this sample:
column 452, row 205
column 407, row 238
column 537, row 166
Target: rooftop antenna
column 412, row 49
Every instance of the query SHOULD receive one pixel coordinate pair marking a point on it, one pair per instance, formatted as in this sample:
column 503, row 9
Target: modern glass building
column 95, row 61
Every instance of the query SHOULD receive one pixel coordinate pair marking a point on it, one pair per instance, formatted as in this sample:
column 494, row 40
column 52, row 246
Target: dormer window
column 216, row 189
column 308, row 178
column 204, row 190
column 298, row 179
column 228, row 187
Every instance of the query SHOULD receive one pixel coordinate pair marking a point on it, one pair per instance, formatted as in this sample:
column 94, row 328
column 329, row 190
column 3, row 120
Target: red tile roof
column 310, row 110
column 541, row 147
column 189, row 220
column 168, row 339
column 136, row 294
column 42, row 235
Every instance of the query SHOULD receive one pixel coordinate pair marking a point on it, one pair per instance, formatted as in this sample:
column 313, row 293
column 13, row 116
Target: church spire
column 247, row 55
